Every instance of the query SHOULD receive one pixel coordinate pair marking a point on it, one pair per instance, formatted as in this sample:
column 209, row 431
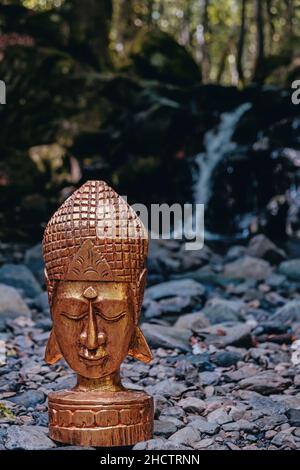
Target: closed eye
column 111, row 318
column 74, row 317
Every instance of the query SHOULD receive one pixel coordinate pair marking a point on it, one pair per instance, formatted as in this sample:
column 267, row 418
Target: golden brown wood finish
column 95, row 249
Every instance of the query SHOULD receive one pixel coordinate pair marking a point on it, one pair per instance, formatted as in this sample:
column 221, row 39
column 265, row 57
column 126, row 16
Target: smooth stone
column 167, row 388
column 172, row 411
column 30, row 398
column 240, row 425
column 209, row 378
column 186, row 321
column 166, row 337
column 201, row 361
column 284, row 438
column 164, row 428
column 226, row 358
column 20, row 277
column 192, row 405
column 289, row 313
column 28, row 438
column 187, row 435
column 11, row 305
column 261, row 247
column 41, row 301
column 219, row 416
column 169, row 307
column 34, row 261
column 267, row 405
column 186, row 287
column 158, row 444
column 203, row 426
column 248, row 268
column 234, row 252
column 41, row 418
column 226, row 334
column 221, row 312
column 266, row 383
column 294, row 416
column 275, row 280
column 291, row 269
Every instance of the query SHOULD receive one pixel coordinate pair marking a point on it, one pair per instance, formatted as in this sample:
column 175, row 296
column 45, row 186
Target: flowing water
column 217, row 143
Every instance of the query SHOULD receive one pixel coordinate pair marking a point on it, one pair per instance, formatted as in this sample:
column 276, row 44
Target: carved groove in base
column 100, row 418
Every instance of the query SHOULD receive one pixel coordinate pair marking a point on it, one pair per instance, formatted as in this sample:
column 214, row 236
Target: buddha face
column 93, row 324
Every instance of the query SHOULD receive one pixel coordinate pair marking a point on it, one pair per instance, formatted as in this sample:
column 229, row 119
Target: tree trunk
column 90, row 27
column 289, row 17
column 241, row 43
column 269, row 4
column 204, row 49
column 124, row 21
column 260, row 41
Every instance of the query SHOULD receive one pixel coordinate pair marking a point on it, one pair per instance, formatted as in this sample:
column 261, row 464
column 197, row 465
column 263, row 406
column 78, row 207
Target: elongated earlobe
column 52, row 353
column 139, row 348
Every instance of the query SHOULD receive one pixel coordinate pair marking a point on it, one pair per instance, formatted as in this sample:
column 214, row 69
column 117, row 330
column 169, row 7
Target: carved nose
column 91, row 337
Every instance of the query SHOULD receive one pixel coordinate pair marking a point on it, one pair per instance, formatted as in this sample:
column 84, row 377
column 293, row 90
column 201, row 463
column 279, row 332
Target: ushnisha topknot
column 95, row 235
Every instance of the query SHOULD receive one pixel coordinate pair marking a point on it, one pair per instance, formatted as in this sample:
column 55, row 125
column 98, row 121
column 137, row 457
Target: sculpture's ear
column 52, row 353
column 46, row 275
column 139, row 348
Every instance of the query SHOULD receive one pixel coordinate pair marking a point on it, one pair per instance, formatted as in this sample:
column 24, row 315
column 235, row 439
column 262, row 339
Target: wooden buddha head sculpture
column 95, row 249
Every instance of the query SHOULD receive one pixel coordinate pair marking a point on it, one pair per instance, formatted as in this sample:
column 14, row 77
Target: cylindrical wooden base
column 105, row 419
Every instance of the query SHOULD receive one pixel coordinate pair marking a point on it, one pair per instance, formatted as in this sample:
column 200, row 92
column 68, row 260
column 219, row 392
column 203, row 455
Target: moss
column 156, row 55
column 5, row 412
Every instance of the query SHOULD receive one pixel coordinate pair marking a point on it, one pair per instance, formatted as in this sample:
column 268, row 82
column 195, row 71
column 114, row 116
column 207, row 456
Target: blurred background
column 166, row 100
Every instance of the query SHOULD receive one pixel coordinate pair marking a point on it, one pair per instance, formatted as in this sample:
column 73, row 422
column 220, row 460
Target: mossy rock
column 156, row 55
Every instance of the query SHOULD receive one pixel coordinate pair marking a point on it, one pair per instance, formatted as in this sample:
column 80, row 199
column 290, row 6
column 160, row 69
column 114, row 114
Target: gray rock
column 164, row 428
column 226, row 334
column 240, row 425
column 187, row 435
column 192, row 405
column 19, row 276
column 294, row 416
column 284, row 438
column 234, row 252
column 186, row 322
column 248, row 268
column 174, row 411
column 28, row 438
column 34, row 261
column 11, row 304
column 265, row 383
column 167, row 388
column 275, row 280
column 221, row 312
column 159, row 444
column 41, row 301
column 41, row 418
column 209, row 378
column 219, row 416
column 261, row 247
column 166, row 337
column 226, row 358
column 30, row 398
column 291, row 269
column 289, row 313
column 170, row 307
column 186, row 288
column 267, row 405
column 203, row 426
column 270, row 422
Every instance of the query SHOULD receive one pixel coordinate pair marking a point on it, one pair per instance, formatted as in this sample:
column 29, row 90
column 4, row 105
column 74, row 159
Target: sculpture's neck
column 109, row 383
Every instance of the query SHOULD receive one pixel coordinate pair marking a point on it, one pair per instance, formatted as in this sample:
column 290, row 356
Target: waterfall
column 217, row 143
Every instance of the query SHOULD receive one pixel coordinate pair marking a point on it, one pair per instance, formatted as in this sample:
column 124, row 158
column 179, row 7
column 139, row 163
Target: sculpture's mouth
column 92, row 354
